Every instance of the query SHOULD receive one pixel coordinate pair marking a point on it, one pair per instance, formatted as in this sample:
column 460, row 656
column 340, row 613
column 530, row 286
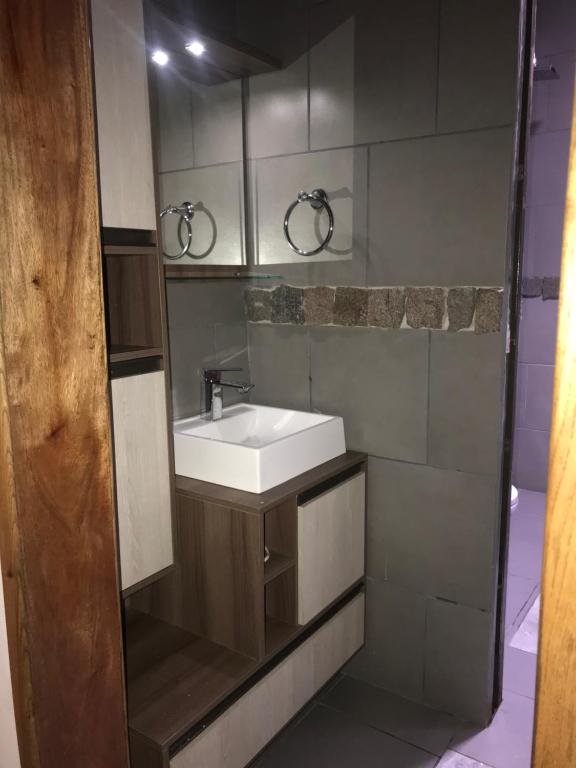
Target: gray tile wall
column 425, row 93
column 544, row 217
column 207, row 328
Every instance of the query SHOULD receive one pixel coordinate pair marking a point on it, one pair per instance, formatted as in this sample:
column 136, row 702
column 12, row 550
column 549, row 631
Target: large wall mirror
column 254, row 169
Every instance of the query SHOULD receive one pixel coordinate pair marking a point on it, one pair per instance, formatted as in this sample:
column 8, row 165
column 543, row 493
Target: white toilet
column 514, row 499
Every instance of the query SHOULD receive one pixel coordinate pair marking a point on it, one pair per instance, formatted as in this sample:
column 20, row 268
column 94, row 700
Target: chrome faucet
column 213, row 399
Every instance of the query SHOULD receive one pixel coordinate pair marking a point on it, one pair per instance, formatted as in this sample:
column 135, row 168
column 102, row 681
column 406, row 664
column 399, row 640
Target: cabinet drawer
column 142, row 476
column 331, row 532
column 237, row 736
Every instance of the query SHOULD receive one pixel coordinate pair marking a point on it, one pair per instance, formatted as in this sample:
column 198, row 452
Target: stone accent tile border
column 460, row 308
column 540, row 287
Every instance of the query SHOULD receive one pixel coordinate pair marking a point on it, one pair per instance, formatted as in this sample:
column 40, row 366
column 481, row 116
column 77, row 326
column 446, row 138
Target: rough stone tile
column 386, row 307
column 425, row 307
column 488, row 310
column 288, row 305
column 351, row 306
column 258, row 304
column 319, row 305
column 550, row 288
column 531, row 287
column 461, row 303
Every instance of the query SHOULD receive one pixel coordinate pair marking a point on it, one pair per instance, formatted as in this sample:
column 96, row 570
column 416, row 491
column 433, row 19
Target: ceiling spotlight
column 161, row 58
column 195, row 48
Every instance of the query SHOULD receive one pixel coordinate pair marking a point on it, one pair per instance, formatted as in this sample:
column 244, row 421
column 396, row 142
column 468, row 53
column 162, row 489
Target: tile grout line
column 358, row 720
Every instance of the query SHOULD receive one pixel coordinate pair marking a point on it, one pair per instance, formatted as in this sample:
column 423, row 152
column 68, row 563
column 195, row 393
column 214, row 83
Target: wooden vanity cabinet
column 229, row 638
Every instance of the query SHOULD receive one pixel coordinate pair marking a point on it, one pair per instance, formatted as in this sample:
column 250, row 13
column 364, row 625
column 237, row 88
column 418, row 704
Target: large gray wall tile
column 555, row 28
column 538, row 327
column 217, row 123
column 547, row 168
column 378, row 382
column 393, row 657
column 396, row 63
column 332, row 88
column 478, row 54
column 539, row 393
column 175, row 134
column 277, row 113
column 439, row 210
column 459, row 660
column 466, row 402
column 433, row 531
column 279, row 365
column 543, row 230
column 207, row 328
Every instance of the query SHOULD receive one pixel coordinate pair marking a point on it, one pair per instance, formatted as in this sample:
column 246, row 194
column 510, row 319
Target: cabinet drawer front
column 142, row 476
column 237, row 736
column 330, row 545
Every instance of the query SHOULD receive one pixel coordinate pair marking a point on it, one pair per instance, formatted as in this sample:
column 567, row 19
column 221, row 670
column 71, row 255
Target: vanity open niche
column 134, row 302
column 211, row 637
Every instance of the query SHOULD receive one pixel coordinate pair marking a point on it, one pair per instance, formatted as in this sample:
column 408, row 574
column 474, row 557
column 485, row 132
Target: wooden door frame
column 555, row 726
column 57, row 518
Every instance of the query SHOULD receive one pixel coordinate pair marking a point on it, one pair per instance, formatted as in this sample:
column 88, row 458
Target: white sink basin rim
column 254, row 447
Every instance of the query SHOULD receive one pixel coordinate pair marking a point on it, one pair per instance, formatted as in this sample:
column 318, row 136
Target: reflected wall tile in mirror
column 175, row 133
column 217, row 123
column 218, row 224
column 277, row 111
column 278, row 181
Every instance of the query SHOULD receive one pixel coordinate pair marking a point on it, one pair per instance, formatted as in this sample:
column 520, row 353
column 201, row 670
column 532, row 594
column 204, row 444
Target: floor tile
column 329, row 739
column 410, row 722
column 519, row 598
column 526, row 637
column 520, row 672
column 507, row 742
column 455, row 760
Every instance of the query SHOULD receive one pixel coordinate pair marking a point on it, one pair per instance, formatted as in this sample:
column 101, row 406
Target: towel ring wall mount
column 186, row 213
column 318, row 199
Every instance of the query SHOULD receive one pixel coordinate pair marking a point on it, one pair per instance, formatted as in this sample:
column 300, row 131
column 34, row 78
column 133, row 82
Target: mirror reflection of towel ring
column 317, row 199
column 186, row 213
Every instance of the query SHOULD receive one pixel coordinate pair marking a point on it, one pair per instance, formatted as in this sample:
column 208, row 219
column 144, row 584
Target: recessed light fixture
column 195, row 48
column 160, row 57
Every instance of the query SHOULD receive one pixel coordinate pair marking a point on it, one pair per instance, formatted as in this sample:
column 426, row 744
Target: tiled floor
column 354, row 725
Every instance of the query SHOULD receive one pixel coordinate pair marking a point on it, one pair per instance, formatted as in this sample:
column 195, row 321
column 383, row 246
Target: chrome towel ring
column 318, row 199
column 186, row 213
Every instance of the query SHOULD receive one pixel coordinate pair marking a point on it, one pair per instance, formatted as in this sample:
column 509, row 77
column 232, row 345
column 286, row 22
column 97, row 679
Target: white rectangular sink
column 254, row 447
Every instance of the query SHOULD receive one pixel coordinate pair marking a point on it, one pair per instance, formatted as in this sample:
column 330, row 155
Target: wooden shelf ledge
column 277, row 565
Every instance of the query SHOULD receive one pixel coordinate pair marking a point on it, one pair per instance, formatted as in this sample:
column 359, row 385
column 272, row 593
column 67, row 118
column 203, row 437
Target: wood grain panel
column 124, row 137
column 262, row 502
column 57, row 528
column 331, row 534
column 555, row 731
column 142, row 476
column 222, row 556
column 248, row 725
